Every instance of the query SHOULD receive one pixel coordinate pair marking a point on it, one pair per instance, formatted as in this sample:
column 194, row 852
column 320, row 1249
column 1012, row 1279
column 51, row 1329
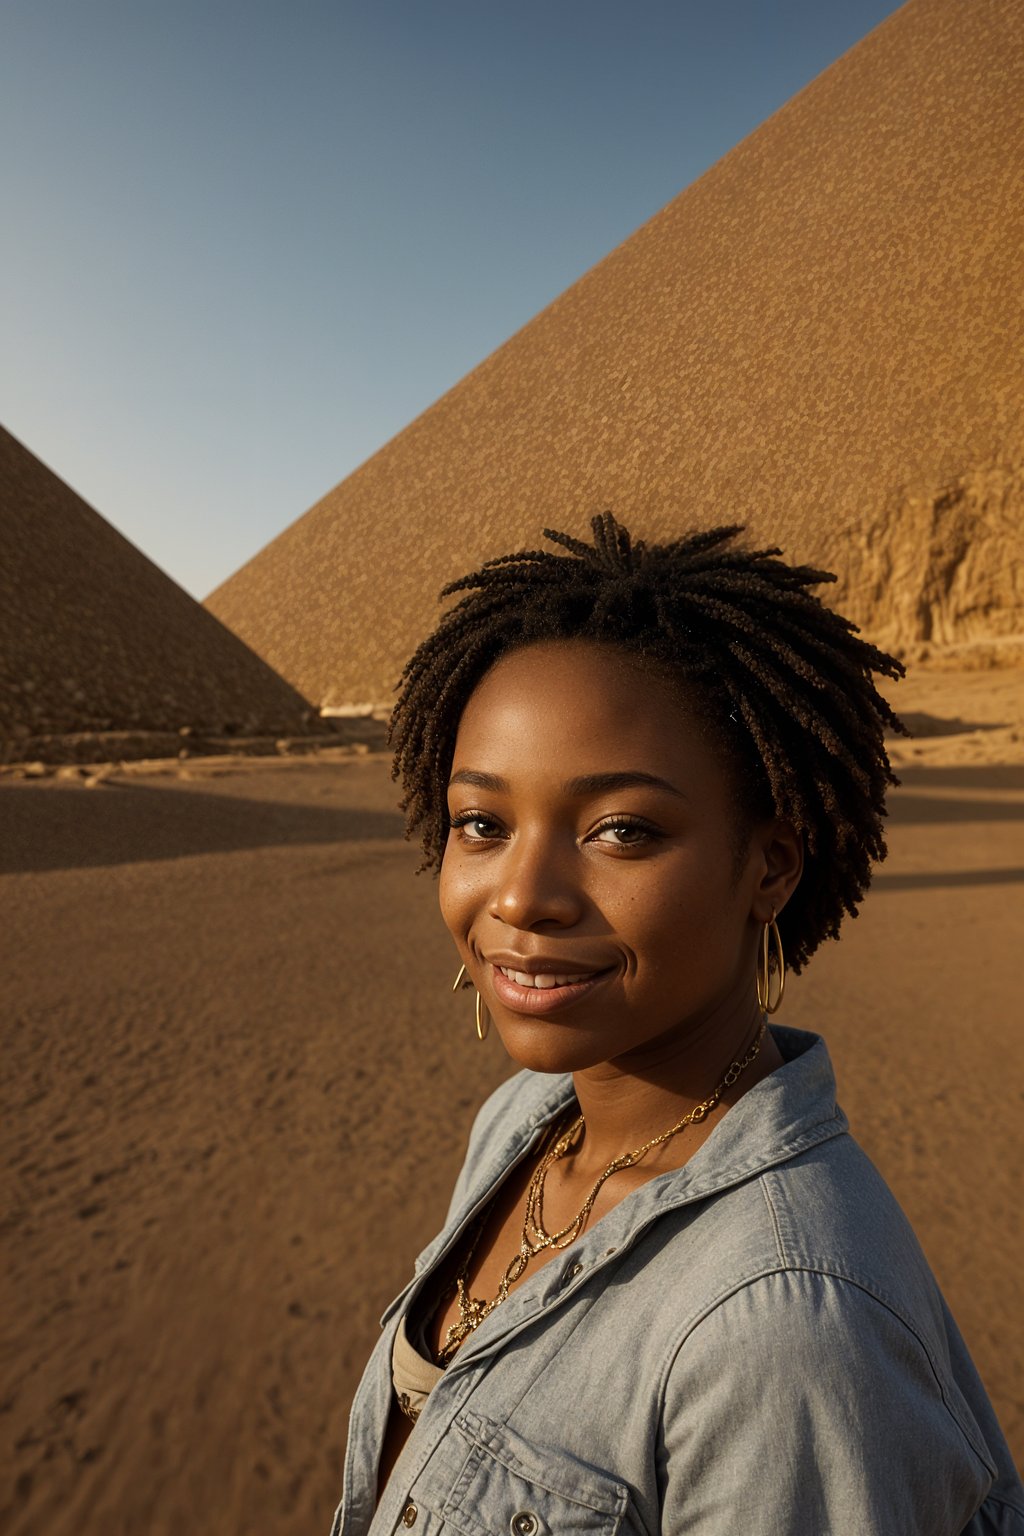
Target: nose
column 534, row 885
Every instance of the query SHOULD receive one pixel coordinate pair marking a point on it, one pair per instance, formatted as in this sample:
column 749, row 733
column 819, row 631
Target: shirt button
column 409, row 1514
column 525, row 1523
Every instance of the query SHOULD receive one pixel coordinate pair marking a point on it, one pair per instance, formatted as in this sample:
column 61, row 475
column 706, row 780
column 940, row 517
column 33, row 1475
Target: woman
column 672, row 1294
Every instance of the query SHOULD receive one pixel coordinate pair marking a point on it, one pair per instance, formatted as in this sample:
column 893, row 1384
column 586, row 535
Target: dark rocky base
column 35, row 754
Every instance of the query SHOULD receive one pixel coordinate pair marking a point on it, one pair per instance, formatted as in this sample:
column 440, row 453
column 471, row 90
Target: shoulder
column 851, row 1414
column 820, row 1242
column 824, row 1209
column 823, row 1350
column 810, row 1329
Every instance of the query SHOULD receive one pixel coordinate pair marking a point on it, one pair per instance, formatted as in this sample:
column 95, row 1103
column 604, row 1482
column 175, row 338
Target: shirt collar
column 791, row 1109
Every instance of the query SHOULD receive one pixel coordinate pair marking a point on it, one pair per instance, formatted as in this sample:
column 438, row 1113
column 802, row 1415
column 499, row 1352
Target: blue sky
column 244, row 244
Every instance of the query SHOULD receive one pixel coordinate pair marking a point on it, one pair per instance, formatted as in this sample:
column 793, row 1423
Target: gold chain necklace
column 535, row 1238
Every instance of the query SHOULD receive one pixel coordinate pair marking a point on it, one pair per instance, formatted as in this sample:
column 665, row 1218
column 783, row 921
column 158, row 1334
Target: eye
column 630, row 832
column 472, row 827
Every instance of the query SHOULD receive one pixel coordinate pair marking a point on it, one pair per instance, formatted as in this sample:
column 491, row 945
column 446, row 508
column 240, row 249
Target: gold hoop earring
column 483, row 1018
column 763, row 976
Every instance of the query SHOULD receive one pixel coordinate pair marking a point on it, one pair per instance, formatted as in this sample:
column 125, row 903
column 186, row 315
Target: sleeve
column 802, row 1404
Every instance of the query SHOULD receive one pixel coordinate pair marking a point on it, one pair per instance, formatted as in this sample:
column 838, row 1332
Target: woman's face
column 594, row 845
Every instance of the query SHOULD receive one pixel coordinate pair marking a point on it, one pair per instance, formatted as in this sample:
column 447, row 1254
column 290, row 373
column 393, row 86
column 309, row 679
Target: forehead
column 562, row 708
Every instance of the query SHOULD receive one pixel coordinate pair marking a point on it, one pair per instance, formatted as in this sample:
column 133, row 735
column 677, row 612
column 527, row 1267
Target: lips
column 543, row 991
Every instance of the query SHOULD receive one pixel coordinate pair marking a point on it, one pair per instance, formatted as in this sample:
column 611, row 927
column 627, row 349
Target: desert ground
column 237, row 1088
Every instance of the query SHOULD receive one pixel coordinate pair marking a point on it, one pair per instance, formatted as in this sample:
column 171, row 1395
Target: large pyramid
column 94, row 637
column 822, row 337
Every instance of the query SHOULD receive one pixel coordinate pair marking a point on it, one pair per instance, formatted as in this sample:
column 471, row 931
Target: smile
column 524, row 992
column 526, row 980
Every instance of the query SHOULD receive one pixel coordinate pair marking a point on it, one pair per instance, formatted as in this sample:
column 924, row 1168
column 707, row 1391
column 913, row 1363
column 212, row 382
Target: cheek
column 684, row 914
column 455, row 893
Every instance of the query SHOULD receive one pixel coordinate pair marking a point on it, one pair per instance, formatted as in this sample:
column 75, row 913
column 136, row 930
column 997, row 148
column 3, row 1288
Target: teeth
column 543, row 980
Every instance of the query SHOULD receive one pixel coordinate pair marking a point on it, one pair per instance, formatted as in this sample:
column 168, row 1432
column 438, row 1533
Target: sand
column 237, row 1089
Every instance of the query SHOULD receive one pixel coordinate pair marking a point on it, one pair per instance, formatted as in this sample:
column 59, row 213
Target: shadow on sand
column 49, row 828
column 909, row 810
column 978, row 777
column 935, row 879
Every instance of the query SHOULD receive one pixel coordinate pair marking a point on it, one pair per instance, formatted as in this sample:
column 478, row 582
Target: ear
column 780, row 865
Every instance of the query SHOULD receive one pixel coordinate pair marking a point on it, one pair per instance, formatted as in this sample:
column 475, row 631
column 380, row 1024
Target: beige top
column 412, row 1374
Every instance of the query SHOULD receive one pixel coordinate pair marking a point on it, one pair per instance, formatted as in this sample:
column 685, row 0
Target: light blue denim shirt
column 750, row 1345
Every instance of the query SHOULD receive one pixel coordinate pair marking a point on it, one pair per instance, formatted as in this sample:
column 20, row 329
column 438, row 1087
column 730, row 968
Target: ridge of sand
column 818, row 338
column 95, row 637
column 46, row 753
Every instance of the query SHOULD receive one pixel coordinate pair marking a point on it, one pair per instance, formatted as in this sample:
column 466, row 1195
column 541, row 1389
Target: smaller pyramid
column 95, row 637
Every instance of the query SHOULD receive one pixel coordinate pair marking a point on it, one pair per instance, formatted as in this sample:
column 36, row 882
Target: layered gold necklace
column 535, row 1238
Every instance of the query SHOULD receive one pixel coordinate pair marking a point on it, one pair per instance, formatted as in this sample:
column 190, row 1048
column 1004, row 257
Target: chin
column 544, row 1046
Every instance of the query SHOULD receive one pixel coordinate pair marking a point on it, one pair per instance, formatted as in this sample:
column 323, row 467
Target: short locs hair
column 781, row 683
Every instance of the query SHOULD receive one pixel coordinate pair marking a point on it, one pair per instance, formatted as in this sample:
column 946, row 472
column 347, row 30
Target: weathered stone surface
column 819, row 338
column 946, row 570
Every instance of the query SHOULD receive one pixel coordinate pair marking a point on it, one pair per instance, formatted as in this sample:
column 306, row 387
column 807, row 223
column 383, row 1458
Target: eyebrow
column 585, row 784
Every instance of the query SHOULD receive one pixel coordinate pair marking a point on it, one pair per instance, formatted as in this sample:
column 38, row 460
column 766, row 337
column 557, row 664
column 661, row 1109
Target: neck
column 627, row 1101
